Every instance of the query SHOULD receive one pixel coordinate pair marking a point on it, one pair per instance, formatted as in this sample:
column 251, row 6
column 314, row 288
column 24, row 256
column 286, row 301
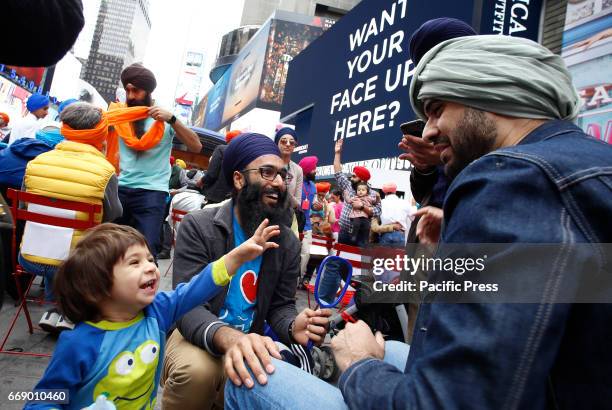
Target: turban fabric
column 323, row 187
column 284, row 131
column 230, row 135
column 181, row 163
column 36, row 102
column 243, row 150
column 362, row 173
column 119, row 117
column 50, row 136
column 308, row 164
column 65, row 104
column 435, row 31
column 505, row 75
column 389, row 188
column 5, row 118
column 139, row 76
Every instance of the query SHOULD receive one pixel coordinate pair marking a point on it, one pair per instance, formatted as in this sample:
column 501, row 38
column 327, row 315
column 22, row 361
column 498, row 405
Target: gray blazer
column 207, row 235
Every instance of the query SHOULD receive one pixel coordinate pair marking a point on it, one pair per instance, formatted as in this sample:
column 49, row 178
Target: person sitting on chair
column 74, row 171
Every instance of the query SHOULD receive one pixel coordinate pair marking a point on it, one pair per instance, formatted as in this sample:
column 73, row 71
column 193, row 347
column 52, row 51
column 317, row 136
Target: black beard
column 139, row 126
column 475, row 136
column 311, row 176
column 253, row 210
column 146, row 102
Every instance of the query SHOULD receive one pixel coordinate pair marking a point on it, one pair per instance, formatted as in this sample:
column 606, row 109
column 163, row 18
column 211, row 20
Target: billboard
column 286, row 40
column 353, row 81
column 587, row 51
column 257, row 78
column 30, row 78
column 244, row 82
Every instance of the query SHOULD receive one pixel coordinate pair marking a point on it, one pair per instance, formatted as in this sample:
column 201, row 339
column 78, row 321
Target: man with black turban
column 529, row 328
column 145, row 167
column 233, row 323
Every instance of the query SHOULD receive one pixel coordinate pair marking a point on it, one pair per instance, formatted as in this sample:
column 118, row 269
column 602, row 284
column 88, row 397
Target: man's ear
column 239, row 181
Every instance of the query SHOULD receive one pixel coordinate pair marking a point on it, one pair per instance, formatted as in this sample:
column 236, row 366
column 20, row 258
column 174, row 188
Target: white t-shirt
column 26, row 128
column 394, row 210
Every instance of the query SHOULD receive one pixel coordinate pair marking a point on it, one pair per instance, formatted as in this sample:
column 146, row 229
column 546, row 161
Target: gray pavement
column 20, row 373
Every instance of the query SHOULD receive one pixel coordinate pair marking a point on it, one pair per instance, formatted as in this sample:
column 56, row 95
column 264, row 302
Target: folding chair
column 176, row 216
column 41, row 218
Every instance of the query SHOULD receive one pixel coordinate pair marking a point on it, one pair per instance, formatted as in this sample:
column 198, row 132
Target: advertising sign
column 587, row 51
column 353, row 81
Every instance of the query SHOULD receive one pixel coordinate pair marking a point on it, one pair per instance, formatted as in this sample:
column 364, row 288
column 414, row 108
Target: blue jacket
column 15, row 157
column 554, row 187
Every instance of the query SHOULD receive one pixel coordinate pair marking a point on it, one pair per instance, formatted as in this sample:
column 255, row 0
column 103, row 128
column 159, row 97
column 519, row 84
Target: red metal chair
column 18, row 271
column 176, row 217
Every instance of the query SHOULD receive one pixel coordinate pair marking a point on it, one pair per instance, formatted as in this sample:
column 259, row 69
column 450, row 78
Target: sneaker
column 49, row 320
column 64, row 324
column 163, row 255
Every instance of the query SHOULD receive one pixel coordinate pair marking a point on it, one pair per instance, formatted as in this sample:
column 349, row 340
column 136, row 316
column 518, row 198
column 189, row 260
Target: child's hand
column 252, row 247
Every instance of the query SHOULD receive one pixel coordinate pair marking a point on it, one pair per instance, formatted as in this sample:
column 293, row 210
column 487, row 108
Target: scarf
column 119, row 117
column 505, row 75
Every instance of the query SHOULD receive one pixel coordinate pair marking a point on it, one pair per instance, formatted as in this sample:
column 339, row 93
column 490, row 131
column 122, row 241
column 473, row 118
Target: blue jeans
column 329, row 283
column 144, row 210
column 39, row 269
column 392, row 238
column 292, row 388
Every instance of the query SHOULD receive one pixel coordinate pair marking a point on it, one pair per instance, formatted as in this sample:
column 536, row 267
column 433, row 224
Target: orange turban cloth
column 119, row 117
column 323, row 187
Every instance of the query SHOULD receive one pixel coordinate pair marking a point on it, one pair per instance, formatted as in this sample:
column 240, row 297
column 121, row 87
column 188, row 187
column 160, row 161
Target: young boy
column 321, row 214
column 108, row 287
column 359, row 219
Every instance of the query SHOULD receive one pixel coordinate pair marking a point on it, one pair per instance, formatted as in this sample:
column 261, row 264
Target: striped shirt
column 345, row 185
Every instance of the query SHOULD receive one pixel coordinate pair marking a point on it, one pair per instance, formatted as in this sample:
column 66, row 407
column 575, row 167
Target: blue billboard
column 353, row 81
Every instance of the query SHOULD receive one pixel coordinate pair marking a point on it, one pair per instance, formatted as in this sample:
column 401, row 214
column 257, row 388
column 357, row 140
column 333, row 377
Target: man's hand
column 311, row 325
column 356, row 342
column 338, row 147
column 252, row 247
column 430, row 225
column 398, row 226
column 357, row 203
column 159, row 114
column 420, row 153
column 255, row 350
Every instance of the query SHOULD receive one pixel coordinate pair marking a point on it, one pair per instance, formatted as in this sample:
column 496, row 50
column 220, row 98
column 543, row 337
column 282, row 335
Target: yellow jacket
column 72, row 171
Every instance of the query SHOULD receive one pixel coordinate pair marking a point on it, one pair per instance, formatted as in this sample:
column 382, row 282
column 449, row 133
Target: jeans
column 329, row 283
column 291, row 388
column 39, row 269
column 143, row 210
column 392, row 238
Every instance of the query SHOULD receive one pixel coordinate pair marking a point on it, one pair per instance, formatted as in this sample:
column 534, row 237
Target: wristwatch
column 172, row 120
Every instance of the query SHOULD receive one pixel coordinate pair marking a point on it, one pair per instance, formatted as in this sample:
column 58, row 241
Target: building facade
column 119, row 39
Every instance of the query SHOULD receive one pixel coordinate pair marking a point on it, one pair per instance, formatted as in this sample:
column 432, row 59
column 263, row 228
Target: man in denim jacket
column 523, row 174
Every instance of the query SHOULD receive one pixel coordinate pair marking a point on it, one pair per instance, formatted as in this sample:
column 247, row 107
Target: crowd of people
column 499, row 161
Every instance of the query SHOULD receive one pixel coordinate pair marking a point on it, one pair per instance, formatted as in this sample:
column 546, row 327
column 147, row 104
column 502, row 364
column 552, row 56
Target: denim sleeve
column 482, row 355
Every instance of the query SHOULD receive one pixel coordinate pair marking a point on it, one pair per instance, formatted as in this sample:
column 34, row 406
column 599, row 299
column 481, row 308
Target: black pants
column 361, row 231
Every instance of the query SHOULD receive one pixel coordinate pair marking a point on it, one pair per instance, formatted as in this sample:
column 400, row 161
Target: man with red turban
column 360, row 175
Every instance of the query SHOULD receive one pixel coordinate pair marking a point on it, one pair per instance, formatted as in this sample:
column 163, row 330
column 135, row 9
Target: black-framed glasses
column 269, row 172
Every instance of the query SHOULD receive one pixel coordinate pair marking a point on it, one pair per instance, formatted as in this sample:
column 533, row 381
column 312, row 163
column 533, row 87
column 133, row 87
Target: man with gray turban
column 263, row 293
column 499, row 111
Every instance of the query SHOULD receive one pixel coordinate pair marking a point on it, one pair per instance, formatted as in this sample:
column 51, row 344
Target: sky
column 181, row 25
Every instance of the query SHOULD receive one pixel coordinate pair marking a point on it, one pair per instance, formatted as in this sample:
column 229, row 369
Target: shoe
column 64, row 324
column 48, row 321
column 163, row 255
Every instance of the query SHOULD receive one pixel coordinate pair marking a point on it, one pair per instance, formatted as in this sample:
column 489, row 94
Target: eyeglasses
column 287, row 142
column 269, row 173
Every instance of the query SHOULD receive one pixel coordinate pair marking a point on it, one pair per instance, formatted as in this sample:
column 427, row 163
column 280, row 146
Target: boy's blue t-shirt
column 122, row 359
column 239, row 308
